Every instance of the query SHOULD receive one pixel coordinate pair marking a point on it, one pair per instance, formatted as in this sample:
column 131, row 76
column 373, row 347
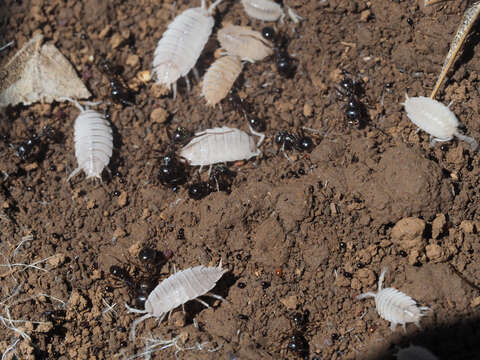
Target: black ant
column 172, row 171
column 121, row 93
column 289, row 141
column 283, row 61
column 245, row 109
column 297, row 343
column 351, row 90
column 180, row 135
column 33, row 148
column 143, row 286
column 219, row 180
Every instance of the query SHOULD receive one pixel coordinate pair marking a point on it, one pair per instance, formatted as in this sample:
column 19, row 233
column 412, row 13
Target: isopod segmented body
column 219, row 78
column 244, row 42
column 93, row 142
column 395, row 306
column 182, row 43
column 178, row 289
column 436, row 119
column 268, row 10
column 220, row 145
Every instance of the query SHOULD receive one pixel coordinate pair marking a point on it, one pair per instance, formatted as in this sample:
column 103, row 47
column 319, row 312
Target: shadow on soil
column 459, row 340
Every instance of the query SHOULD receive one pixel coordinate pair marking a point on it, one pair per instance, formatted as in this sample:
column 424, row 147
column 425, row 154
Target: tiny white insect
column 244, row 42
column 93, row 142
column 178, row 289
column 268, row 10
column 414, row 352
column 220, row 145
column 395, row 306
column 219, row 78
column 182, row 43
column 436, row 119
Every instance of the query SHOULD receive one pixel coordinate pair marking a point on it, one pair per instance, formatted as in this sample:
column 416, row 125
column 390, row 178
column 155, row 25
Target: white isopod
column 93, row 142
column 244, row 42
column 182, row 43
column 436, row 119
column 415, row 352
column 219, row 78
column 395, row 306
column 220, row 145
column 178, row 289
column 268, row 10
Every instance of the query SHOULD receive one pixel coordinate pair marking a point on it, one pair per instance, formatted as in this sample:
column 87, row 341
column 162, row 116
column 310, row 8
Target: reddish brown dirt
column 317, row 237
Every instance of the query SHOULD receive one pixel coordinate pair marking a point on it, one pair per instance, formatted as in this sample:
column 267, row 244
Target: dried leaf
column 39, row 73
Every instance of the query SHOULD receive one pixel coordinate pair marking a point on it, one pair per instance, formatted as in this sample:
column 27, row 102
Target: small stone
column 434, row 253
column 307, row 110
column 365, row 15
column 31, row 166
column 91, row 204
column 366, row 276
column 105, row 32
column 408, row 228
column 475, row 302
column 132, row 60
column 56, row 260
column 116, row 40
column 122, row 199
column 44, row 327
column 144, row 76
column 77, row 301
column 438, row 225
column 159, row 115
column 467, row 226
column 290, row 302
column 408, row 234
column 159, row 90
column 119, row 233
column 178, row 319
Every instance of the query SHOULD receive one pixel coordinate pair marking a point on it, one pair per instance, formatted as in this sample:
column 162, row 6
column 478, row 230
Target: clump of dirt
column 301, row 233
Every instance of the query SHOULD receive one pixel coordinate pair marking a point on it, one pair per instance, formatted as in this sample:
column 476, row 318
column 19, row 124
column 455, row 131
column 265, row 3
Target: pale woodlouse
column 93, row 142
column 244, row 42
column 219, row 78
column 219, row 145
column 178, row 289
column 436, row 119
column 395, row 306
column 182, row 43
column 268, row 10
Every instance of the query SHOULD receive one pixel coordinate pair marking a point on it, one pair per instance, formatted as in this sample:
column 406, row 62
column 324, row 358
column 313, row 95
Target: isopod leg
column 174, row 90
column 213, row 6
column 295, row 17
column 73, row 173
column 187, row 80
column 256, row 133
column 393, row 326
column 135, row 323
column 6, row 45
column 196, row 74
column 216, row 296
column 381, row 278
column 202, row 302
column 366, row 295
column 473, row 143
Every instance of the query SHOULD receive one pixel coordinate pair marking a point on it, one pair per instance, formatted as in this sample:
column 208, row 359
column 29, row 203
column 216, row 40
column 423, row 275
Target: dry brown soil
column 315, row 230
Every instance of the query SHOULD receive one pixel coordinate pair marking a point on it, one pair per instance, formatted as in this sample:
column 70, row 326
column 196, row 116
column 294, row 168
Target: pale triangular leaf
column 39, row 73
